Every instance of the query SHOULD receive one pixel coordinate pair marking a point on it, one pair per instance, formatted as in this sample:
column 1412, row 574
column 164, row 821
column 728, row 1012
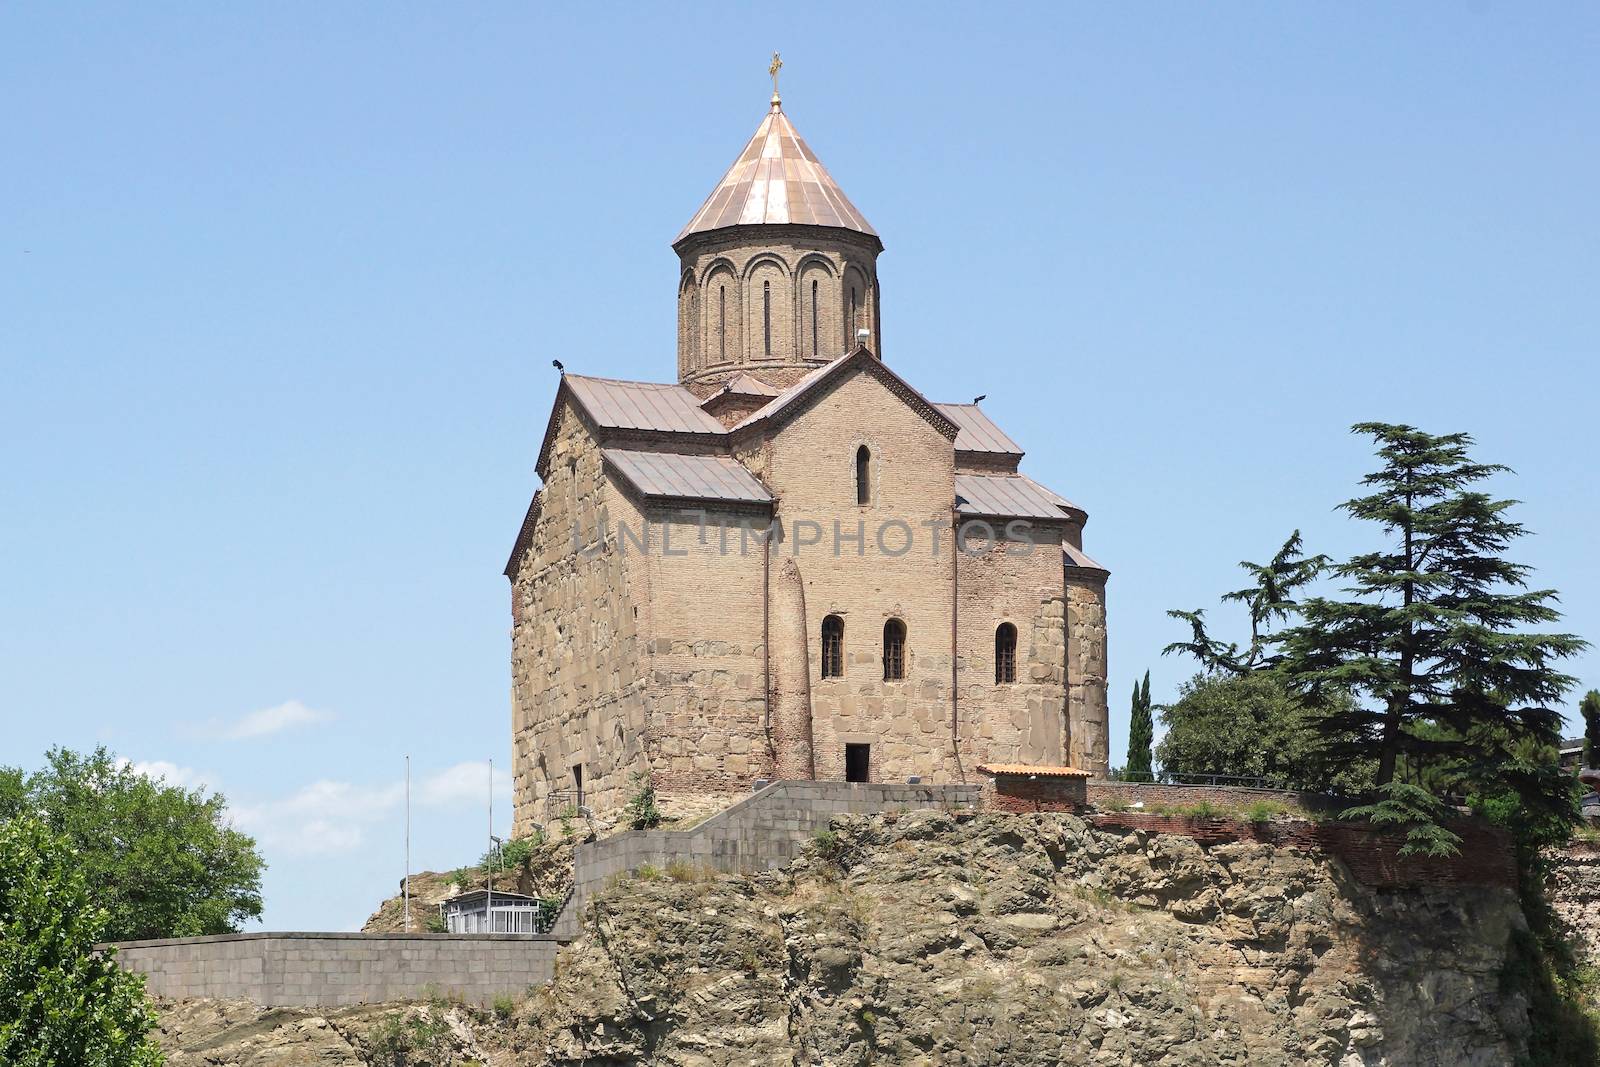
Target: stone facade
column 336, row 969
column 669, row 609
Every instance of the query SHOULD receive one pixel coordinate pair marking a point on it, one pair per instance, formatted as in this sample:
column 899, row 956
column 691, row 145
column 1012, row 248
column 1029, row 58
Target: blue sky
column 280, row 286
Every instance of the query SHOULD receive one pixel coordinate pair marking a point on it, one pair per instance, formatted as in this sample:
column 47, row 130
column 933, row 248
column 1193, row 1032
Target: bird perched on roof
column 556, row 363
column 980, row 398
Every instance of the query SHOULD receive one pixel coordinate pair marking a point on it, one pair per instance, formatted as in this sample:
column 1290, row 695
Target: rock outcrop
column 931, row 938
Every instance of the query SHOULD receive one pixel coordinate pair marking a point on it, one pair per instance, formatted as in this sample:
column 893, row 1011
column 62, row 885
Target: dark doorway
column 577, row 781
column 858, row 763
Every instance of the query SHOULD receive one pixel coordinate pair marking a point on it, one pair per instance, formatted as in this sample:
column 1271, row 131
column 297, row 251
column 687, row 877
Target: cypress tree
column 1433, row 642
column 1591, row 727
column 1141, row 732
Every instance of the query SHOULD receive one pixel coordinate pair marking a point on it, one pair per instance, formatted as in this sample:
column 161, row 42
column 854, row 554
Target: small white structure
column 471, row 913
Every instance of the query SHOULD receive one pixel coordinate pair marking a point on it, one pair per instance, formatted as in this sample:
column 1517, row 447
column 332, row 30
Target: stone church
column 790, row 563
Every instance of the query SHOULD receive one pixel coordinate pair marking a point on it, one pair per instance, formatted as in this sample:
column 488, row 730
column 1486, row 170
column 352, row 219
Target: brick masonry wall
column 325, row 970
column 1158, row 794
column 1372, row 857
column 1043, row 794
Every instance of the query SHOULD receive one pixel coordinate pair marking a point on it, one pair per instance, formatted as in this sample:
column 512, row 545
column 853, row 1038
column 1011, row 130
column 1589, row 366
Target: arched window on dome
column 1005, row 654
column 722, row 324
column 766, row 317
column 833, row 647
column 863, row 476
column 814, row 318
column 894, row 650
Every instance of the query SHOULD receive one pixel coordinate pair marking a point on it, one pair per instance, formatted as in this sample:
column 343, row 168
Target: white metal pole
column 406, row 890
column 490, row 901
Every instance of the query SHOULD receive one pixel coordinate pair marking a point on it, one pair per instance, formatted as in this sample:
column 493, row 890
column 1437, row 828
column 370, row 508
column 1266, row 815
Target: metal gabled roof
column 625, row 405
column 671, row 475
column 979, row 432
column 1011, row 496
column 777, row 179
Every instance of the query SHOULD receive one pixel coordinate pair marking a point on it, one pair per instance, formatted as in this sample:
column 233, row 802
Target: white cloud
column 321, row 818
column 462, row 786
column 328, row 816
column 273, row 720
column 171, row 773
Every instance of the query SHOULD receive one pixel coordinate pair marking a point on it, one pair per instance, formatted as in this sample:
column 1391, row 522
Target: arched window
column 813, row 318
column 766, row 315
column 863, row 476
column 722, row 323
column 894, row 650
column 833, row 647
column 1005, row 654
column 851, row 338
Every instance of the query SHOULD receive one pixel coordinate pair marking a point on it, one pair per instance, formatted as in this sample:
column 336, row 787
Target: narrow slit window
column 853, row 325
column 863, row 476
column 894, row 650
column 813, row 319
column 833, row 647
column 722, row 323
column 1005, row 654
column 766, row 316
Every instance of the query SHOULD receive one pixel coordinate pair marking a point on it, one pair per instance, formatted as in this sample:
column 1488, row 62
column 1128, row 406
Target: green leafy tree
column 162, row 859
column 1590, row 709
column 1435, row 634
column 1269, row 601
column 61, row 1002
column 1141, row 731
column 1249, row 726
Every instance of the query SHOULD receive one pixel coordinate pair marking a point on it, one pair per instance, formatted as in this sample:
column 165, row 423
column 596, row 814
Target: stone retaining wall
column 1371, row 855
column 767, row 829
column 301, row 969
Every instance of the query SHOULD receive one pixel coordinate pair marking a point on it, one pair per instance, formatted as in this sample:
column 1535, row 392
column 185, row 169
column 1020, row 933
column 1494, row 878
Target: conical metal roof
column 777, row 179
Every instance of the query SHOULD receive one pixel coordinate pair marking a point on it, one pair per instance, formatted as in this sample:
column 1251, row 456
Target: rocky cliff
column 976, row 939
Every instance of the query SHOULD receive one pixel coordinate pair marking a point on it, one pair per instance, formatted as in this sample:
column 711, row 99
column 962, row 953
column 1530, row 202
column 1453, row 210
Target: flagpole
column 490, row 865
column 406, row 891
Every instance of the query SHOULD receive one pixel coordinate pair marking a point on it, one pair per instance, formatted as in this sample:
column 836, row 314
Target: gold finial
column 776, row 65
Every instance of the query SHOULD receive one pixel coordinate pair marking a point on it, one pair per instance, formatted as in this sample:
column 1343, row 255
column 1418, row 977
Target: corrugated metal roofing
column 1077, row 557
column 641, row 405
column 978, row 431
column 1007, row 496
column 777, row 179
column 668, row 474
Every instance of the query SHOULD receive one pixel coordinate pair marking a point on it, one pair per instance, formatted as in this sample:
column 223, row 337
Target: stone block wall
column 321, row 969
column 577, row 693
column 765, row 830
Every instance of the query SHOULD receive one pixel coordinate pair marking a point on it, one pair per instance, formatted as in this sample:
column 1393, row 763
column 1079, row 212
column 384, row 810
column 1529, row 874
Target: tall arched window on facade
column 766, row 316
column 1005, row 654
column 833, row 647
column 863, row 476
column 894, row 650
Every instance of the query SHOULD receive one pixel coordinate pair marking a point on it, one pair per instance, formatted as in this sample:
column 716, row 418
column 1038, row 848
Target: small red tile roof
column 1014, row 770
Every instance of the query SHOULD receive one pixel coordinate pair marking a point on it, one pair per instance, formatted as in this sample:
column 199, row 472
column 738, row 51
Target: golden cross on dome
column 777, row 65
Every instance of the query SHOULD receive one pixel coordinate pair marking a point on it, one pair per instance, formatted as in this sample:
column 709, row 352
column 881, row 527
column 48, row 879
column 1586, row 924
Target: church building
column 789, row 563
